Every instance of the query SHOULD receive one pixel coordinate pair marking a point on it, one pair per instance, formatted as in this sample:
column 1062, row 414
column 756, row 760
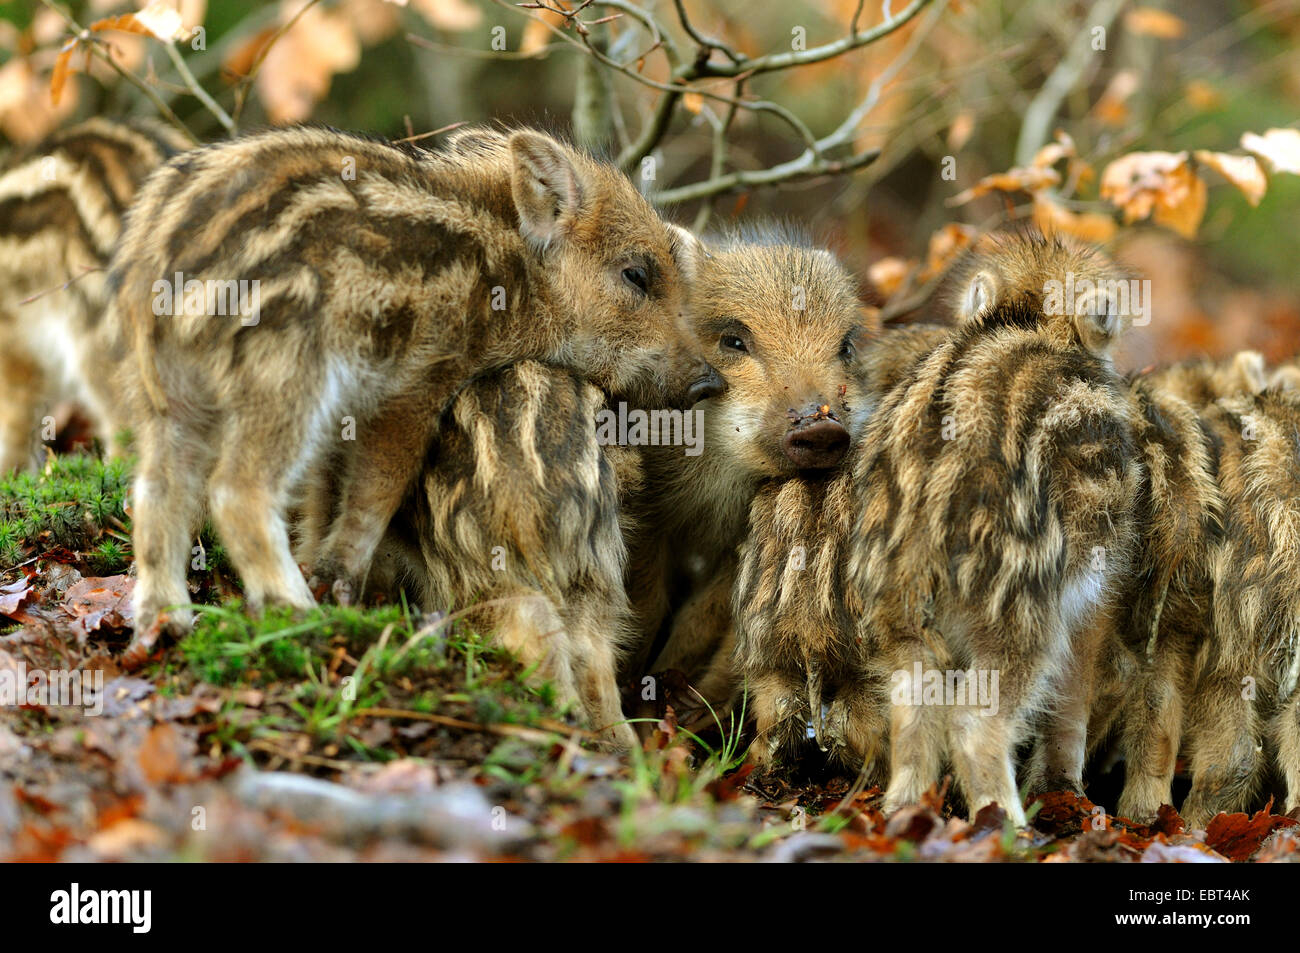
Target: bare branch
column 778, row 61
column 1037, row 123
column 199, row 92
column 245, row 84
column 84, row 37
column 804, row 167
column 706, row 43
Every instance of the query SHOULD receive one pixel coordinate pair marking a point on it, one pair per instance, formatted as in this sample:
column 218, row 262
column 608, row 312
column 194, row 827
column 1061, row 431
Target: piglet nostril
column 710, row 385
column 816, row 446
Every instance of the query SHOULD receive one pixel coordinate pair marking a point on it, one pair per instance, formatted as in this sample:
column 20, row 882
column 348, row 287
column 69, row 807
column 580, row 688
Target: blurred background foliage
column 957, row 92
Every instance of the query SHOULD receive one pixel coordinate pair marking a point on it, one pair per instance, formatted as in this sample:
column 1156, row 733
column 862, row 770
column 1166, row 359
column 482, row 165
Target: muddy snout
column 816, row 440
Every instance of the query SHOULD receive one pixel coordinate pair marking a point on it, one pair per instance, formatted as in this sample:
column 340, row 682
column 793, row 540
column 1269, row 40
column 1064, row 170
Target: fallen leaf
column 1238, row 836
column 161, row 754
column 1052, row 218
column 13, row 595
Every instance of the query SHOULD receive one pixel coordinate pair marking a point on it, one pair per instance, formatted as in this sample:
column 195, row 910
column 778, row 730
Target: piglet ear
column 547, row 187
column 1099, row 318
column 688, row 251
column 1251, row 371
column 979, row 298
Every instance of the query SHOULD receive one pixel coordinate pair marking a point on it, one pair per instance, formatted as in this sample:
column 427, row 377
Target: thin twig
column 1042, row 109
column 83, row 36
column 199, row 92
column 245, row 84
column 435, row 132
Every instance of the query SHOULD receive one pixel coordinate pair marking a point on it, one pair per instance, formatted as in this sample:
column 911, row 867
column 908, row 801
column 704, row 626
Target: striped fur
column 995, row 489
column 515, row 519
column 61, row 209
column 696, row 509
column 1246, row 699
column 795, row 649
column 1162, row 617
column 378, row 268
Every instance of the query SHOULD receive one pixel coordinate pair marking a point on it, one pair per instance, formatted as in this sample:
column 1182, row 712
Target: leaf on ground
column 14, row 595
column 1238, row 836
column 163, row 753
column 101, row 602
column 1242, row 171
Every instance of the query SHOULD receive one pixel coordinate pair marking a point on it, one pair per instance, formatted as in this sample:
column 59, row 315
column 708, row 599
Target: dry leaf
column 1054, row 152
column 888, row 274
column 1029, row 179
column 296, row 72
column 453, row 15
column 959, row 133
column 1162, row 185
column 162, row 21
column 1242, row 171
column 1112, row 106
column 537, row 34
column 945, row 245
column 1053, row 218
column 1148, row 21
column 692, row 102
column 1280, row 148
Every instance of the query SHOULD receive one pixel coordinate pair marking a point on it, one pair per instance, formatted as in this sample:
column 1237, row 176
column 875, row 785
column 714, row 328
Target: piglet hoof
column 343, row 592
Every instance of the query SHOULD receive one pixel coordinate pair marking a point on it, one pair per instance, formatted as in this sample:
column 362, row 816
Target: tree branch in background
column 1037, row 124
column 85, row 38
column 683, row 77
column 199, row 92
column 246, row 83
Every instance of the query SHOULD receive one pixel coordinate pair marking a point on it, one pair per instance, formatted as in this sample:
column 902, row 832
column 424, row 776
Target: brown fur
column 61, row 208
column 1163, row 613
column 376, row 308
column 980, row 552
column 1245, row 699
column 515, row 520
column 791, row 362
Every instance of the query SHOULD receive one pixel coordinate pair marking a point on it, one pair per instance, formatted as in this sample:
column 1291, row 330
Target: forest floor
column 383, row 734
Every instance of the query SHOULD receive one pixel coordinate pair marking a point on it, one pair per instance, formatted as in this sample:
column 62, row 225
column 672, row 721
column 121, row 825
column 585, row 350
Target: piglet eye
column 638, row 279
column 847, row 353
column 733, row 343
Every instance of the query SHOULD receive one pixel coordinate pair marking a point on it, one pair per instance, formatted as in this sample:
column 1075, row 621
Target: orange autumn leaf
column 1148, row 21
column 945, row 245
column 1160, row 185
column 1053, row 218
column 1279, row 148
column 1029, row 179
column 1242, row 171
column 888, row 275
column 1112, row 106
column 692, row 102
column 1054, row 152
column 62, row 66
column 126, row 23
column 537, row 34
